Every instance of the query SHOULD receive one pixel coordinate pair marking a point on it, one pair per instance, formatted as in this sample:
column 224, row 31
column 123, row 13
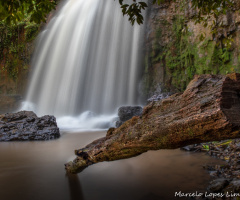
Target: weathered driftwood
column 208, row 110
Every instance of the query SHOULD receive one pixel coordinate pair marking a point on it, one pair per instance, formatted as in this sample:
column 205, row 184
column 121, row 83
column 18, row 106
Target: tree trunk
column 208, row 110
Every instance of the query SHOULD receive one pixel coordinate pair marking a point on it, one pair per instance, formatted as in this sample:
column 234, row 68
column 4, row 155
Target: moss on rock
column 177, row 48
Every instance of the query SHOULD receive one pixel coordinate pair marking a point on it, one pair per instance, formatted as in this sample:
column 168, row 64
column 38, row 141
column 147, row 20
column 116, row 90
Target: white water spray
column 87, row 59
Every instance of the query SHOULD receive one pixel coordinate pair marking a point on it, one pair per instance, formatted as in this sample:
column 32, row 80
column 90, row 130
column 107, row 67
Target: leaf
column 120, row 2
column 143, row 4
column 124, row 6
column 202, row 37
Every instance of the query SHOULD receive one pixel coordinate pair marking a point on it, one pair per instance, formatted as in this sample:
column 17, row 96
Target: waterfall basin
column 35, row 170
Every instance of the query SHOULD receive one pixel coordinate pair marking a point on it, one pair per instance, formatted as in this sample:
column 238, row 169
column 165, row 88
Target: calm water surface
column 35, row 171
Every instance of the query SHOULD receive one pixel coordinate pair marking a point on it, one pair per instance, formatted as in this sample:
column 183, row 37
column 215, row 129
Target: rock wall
column 17, row 42
column 16, row 49
column 177, row 48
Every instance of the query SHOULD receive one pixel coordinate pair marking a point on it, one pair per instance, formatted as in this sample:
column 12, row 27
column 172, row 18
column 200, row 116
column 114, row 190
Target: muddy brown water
column 35, row 171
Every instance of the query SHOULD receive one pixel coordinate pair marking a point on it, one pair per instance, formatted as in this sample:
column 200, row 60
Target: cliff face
column 16, row 49
column 17, row 42
column 177, row 48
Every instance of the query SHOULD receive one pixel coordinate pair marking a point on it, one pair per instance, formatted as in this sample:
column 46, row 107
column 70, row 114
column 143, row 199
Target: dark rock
column 234, row 186
column 236, row 173
column 118, row 123
column 158, row 97
column 213, row 173
column 229, row 173
column 25, row 125
column 193, row 147
column 218, row 184
column 188, row 148
column 237, row 146
column 127, row 112
column 209, row 167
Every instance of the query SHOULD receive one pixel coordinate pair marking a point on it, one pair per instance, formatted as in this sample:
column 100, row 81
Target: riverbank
column 226, row 183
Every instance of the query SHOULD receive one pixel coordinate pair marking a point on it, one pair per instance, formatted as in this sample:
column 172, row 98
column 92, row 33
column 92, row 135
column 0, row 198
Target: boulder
column 127, row 112
column 25, row 125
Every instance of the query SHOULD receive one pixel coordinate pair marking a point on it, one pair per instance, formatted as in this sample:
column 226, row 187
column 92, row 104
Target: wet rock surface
column 25, row 125
column 127, row 112
column 158, row 97
column 164, row 48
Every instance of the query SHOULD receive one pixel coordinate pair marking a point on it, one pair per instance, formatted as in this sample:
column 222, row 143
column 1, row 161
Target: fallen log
column 208, row 110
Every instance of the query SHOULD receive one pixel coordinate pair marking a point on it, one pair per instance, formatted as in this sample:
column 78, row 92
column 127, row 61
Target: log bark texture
column 208, row 110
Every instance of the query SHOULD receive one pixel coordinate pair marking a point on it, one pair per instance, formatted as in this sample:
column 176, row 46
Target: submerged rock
column 25, row 125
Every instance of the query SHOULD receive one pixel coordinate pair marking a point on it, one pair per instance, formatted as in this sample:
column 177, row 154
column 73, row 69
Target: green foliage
column 206, row 147
column 183, row 57
column 133, row 11
column 13, row 11
column 15, row 47
column 32, row 30
column 179, row 54
column 223, row 143
column 12, row 68
column 206, row 9
column 210, row 8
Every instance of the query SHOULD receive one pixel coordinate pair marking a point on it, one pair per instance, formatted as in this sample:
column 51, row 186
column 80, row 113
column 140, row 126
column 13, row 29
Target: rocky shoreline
column 226, row 183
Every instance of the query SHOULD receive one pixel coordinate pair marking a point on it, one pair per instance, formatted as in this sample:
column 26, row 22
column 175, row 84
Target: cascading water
column 87, row 59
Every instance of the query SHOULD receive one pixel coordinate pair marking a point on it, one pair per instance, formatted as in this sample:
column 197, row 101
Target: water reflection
column 75, row 187
column 151, row 196
column 35, row 171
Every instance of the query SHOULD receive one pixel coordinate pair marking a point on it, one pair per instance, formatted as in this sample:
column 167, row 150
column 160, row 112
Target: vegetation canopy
column 13, row 11
column 205, row 8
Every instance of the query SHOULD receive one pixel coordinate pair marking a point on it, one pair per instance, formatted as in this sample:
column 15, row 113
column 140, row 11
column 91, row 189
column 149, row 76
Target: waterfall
column 86, row 60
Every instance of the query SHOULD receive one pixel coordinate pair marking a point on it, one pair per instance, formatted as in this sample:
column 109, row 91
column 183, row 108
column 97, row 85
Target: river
column 35, row 171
